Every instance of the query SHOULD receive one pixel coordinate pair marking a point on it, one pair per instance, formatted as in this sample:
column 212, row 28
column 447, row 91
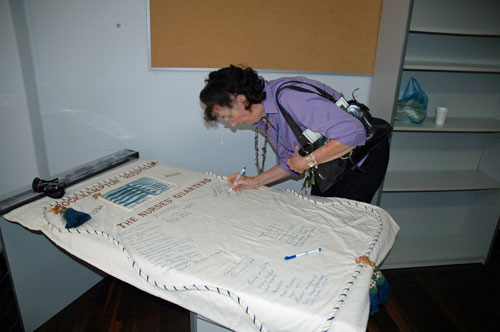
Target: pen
column 303, row 254
column 243, row 170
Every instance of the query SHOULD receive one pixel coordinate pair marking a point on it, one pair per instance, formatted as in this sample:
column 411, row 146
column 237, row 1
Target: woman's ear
column 242, row 100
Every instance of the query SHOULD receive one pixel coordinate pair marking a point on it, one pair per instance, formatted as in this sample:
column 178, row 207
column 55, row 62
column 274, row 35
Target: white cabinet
column 443, row 183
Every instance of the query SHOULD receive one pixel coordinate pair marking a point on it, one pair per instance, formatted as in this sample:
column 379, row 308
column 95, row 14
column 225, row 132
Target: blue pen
column 303, row 254
column 243, row 170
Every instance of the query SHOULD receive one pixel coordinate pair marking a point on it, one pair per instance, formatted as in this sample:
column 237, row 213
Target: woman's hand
column 296, row 162
column 254, row 182
column 245, row 182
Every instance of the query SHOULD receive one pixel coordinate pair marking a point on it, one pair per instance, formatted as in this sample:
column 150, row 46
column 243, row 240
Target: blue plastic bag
column 412, row 107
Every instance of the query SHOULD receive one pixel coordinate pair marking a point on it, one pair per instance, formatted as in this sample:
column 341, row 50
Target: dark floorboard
column 113, row 305
column 445, row 298
column 9, row 319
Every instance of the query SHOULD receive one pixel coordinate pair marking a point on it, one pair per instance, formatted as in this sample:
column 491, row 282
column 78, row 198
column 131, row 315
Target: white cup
column 441, row 113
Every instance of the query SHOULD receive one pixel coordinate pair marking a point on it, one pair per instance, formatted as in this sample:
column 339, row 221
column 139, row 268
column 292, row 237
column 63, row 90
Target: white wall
column 17, row 160
column 97, row 95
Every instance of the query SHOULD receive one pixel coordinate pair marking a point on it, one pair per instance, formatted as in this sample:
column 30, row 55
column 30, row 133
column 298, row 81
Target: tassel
column 74, row 218
column 380, row 291
column 373, row 304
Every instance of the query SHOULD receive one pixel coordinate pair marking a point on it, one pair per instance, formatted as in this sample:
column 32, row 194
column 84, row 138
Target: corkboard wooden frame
column 338, row 36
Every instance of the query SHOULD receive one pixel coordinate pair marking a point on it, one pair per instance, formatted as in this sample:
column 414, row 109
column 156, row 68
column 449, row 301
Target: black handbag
column 325, row 175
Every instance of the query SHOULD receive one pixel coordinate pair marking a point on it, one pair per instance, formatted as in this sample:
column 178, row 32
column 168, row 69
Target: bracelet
column 311, row 161
column 347, row 155
column 314, row 161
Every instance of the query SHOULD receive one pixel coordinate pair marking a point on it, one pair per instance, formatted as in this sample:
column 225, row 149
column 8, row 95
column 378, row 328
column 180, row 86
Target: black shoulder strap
column 319, row 91
column 290, row 85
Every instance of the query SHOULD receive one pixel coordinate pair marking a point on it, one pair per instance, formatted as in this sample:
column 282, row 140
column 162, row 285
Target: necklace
column 260, row 168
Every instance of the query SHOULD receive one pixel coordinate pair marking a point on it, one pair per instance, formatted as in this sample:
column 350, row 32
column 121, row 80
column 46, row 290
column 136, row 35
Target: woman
column 240, row 96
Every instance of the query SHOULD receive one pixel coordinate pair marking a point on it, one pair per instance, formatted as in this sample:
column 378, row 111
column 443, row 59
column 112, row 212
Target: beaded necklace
column 260, row 168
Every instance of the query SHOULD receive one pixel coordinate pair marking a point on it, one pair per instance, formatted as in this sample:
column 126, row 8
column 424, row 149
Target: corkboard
column 304, row 35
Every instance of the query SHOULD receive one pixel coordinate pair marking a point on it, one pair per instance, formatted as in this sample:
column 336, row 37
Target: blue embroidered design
column 137, row 192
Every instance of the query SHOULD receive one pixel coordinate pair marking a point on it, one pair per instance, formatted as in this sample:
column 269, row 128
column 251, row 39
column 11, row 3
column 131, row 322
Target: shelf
column 456, row 52
column 463, row 17
column 468, row 125
column 423, row 181
column 454, row 31
column 444, row 66
column 432, row 250
column 443, row 183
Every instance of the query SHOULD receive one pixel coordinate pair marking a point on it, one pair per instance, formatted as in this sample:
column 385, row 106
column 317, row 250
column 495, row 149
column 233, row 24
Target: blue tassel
column 384, row 292
column 380, row 291
column 74, row 218
column 373, row 304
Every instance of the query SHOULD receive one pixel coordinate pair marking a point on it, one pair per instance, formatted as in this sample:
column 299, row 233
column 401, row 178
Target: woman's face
column 238, row 114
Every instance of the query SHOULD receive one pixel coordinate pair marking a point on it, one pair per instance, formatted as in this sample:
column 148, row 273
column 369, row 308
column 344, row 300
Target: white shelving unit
column 444, row 66
column 443, row 183
column 423, row 181
column 471, row 125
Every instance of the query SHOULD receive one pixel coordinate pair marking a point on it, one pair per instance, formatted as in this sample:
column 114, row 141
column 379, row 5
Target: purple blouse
column 309, row 111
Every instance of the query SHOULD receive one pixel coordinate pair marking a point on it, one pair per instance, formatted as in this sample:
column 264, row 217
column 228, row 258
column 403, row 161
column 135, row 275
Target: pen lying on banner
column 303, row 254
column 243, row 170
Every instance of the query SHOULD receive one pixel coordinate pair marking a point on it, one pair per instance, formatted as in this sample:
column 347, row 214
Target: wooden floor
column 447, row 298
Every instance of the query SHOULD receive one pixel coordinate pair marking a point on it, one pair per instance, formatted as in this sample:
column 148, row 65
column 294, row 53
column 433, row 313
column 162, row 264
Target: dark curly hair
column 224, row 84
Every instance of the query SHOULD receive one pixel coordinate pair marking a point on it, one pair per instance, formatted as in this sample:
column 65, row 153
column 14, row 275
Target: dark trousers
column 361, row 185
